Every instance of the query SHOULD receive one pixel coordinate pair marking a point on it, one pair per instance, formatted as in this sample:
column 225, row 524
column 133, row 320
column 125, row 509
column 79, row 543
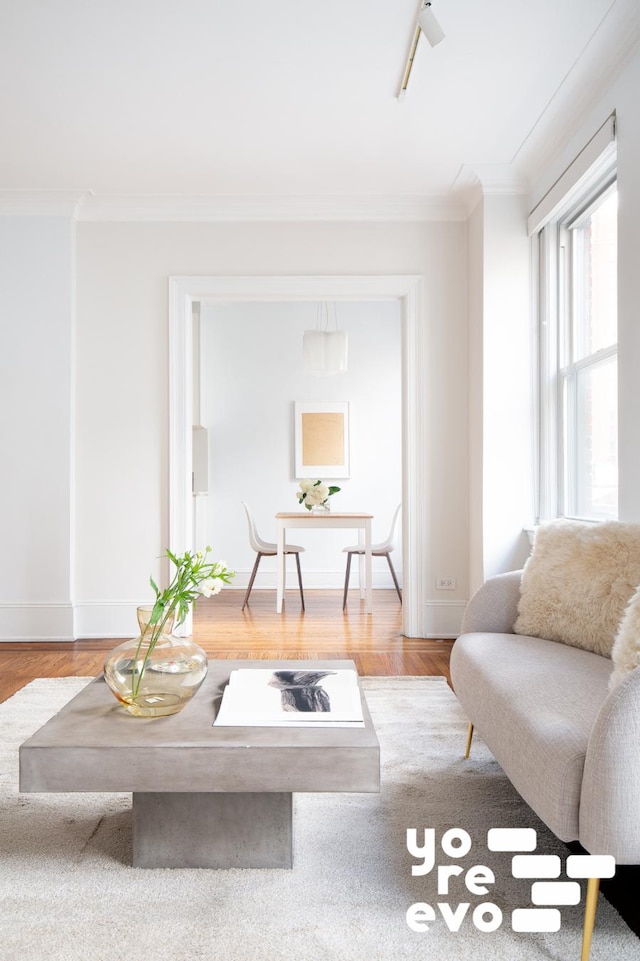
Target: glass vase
column 153, row 675
column 321, row 508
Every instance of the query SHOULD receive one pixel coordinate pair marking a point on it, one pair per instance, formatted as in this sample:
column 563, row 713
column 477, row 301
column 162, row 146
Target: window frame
column 558, row 371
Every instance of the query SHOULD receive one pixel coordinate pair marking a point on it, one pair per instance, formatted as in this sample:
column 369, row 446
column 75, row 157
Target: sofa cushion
column 578, row 581
column 626, row 646
column 534, row 703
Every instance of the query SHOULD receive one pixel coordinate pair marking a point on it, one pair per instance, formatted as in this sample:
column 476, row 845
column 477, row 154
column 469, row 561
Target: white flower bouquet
column 315, row 493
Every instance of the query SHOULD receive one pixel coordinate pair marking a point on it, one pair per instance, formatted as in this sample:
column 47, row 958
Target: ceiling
column 289, row 99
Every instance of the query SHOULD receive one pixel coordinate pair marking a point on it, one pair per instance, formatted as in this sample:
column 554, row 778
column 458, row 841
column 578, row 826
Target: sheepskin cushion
column 626, row 646
column 578, row 581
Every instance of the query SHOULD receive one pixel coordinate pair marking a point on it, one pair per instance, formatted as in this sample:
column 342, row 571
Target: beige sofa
column 569, row 744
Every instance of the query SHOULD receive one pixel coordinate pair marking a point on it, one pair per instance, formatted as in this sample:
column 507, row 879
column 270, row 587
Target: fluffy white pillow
column 626, row 647
column 578, row 581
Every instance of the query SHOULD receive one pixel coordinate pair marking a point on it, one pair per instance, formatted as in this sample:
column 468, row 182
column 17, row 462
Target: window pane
column 596, row 442
column 595, row 280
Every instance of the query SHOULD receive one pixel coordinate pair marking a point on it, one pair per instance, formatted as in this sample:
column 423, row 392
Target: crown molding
column 171, row 208
column 42, row 203
column 480, row 180
column 86, row 205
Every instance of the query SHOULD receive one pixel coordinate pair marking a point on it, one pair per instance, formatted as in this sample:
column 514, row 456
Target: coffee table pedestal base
column 185, row 830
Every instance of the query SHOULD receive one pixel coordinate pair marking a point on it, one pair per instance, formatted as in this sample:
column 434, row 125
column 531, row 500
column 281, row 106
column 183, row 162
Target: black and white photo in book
column 302, row 690
column 292, row 698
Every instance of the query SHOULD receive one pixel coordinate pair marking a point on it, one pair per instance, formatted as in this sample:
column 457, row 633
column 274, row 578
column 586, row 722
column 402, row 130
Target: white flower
column 213, row 585
column 313, row 493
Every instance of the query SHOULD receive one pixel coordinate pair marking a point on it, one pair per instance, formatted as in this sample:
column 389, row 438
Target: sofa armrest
column 494, row 607
column 609, row 822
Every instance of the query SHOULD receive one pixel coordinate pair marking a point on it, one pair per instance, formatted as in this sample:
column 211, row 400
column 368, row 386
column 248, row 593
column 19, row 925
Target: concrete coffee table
column 203, row 796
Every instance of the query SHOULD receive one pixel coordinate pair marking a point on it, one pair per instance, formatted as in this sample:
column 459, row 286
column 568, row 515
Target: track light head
column 430, row 26
column 426, row 23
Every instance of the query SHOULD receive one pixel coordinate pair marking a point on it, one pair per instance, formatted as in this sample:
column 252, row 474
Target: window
column 578, row 359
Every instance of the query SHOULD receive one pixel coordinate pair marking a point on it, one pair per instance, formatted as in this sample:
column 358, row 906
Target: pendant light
column 324, row 350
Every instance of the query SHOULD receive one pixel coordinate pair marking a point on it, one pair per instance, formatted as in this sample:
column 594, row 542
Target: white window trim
column 585, row 184
column 595, row 161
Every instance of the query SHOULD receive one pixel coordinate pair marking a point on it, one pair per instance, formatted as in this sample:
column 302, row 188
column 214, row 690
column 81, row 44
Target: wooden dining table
column 317, row 520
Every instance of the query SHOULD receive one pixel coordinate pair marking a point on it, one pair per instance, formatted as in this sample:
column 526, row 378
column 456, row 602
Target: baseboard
column 443, row 619
column 107, row 618
column 36, row 621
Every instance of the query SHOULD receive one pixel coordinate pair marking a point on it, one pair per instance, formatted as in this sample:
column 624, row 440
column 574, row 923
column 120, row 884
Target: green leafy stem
column 194, row 575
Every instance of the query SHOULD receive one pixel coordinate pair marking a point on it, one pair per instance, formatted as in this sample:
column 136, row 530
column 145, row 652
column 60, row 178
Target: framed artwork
column 322, row 440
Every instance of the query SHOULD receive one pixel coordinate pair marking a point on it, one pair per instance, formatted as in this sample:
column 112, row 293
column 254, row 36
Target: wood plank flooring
column 375, row 642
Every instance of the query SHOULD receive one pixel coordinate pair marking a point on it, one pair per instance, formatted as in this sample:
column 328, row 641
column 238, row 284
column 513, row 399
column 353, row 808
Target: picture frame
column 322, row 440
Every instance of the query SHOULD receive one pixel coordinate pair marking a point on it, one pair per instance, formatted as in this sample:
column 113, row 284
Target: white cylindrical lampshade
column 324, row 352
column 335, row 350
column 430, row 26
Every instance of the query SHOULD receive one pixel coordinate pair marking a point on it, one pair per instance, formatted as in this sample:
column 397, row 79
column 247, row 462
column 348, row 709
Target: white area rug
column 68, row 893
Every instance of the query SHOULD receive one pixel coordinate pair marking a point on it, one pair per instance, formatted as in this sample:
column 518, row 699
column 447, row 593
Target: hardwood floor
column 375, row 642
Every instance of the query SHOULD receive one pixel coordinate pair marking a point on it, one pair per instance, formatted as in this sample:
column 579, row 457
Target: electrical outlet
column 446, row 583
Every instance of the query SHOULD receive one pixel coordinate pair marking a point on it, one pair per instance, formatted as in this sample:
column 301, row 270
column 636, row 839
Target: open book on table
column 291, row 698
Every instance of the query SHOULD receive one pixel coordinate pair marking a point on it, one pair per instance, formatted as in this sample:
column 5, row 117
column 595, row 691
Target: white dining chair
column 267, row 549
column 383, row 549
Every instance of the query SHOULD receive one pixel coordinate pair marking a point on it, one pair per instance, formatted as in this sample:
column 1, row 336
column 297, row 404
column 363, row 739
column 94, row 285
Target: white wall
column 501, row 414
column 122, row 466
column 508, row 412
column 36, row 426
column 500, row 395
column 501, row 411
column 251, row 374
column 623, row 98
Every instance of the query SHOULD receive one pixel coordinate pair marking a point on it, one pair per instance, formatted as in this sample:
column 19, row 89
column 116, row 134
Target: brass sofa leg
column 467, row 750
column 593, row 886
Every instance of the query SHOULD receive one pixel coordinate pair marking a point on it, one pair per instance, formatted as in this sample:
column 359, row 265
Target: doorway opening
column 185, row 291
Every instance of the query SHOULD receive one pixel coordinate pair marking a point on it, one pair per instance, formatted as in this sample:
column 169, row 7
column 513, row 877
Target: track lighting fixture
column 430, row 26
column 427, row 24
